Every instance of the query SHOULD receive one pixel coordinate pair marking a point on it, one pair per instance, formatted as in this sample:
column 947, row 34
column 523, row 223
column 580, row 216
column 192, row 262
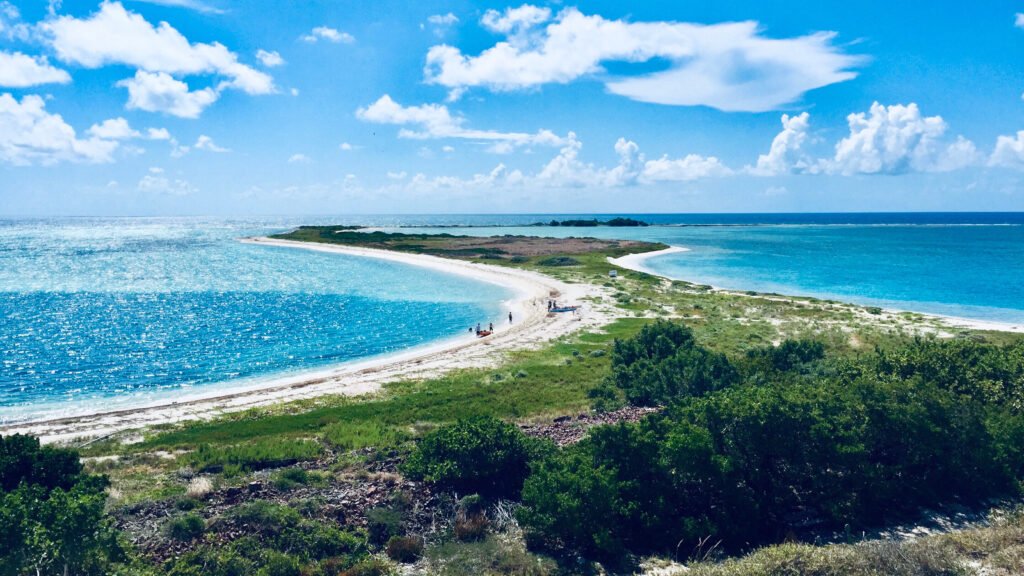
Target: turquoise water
column 967, row 265
column 116, row 313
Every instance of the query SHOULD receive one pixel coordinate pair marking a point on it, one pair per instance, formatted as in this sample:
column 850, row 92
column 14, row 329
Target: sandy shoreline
column 638, row 263
column 532, row 326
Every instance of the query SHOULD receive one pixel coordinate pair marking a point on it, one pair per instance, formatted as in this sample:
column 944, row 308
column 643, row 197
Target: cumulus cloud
column 19, row 70
column 269, row 59
column 31, row 135
column 115, row 36
column 299, row 159
column 346, row 147
column 897, row 139
column 114, row 129
column 567, row 170
column 206, row 143
column 1018, row 20
column 513, row 20
column 1009, row 152
column 158, row 134
column 156, row 182
column 787, row 153
column 730, row 66
column 328, row 34
column 160, row 92
column 435, row 121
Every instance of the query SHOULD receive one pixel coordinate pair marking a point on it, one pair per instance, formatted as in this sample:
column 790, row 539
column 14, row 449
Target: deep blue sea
column 120, row 312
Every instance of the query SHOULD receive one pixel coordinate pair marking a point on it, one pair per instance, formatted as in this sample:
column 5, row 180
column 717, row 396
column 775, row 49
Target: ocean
column 124, row 312
column 969, row 265
column 127, row 311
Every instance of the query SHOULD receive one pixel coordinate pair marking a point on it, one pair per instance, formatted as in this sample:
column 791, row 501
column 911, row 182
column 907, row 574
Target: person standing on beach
column 510, row 317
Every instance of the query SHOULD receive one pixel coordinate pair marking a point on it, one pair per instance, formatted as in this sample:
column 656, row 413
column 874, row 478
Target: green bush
column 477, row 455
column 404, row 549
column 51, row 514
column 187, row 527
column 789, row 449
column 663, row 363
column 558, row 261
column 383, row 524
column 290, row 478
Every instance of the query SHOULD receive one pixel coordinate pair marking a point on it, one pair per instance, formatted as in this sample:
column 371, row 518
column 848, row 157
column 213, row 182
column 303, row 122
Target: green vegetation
column 791, row 441
column 616, row 222
column 51, row 514
column 481, row 454
column 781, row 419
column 255, row 455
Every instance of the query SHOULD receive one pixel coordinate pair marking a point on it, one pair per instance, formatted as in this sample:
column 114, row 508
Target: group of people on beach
column 490, row 327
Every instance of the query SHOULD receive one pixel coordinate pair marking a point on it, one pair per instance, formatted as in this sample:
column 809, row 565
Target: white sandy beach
column 638, row 263
column 532, row 326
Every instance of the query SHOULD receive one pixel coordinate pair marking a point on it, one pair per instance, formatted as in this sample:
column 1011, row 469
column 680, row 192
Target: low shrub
column 256, row 455
column 369, row 567
column 559, row 261
column 290, row 478
column 184, row 528
column 359, row 435
column 470, row 526
column 404, row 549
column 383, row 524
column 477, row 455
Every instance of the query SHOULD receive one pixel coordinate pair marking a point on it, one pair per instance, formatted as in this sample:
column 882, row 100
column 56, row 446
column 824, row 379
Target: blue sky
column 224, row 107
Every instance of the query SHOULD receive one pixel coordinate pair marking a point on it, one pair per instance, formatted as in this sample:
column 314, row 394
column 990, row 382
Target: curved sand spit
column 638, row 263
column 532, row 326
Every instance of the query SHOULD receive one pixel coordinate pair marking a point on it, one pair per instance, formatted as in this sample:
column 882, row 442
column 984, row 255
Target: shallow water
column 968, row 265
column 126, row 311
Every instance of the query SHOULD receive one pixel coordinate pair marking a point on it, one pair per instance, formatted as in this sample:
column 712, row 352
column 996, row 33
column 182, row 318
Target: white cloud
column 269, row 59
column 11, row 26
column 397, row 175
column 567, row 170
column 686, row 169
column 1018, row 20
column 731, row 66
column 115, row 36
column 787, row 153
column 160, row 92
column 328, row 34
column 294, row 91
column 113, row 129
column 346, row 147
column 196, row 5
column 447, row 149
column 155, row 182
column 1009, row 152
column 299, row 159
column 898, row 139
column 443, row 19
column 158, row 134
column 31, row 135
column 19, row 70
column 515, row 19
column 204, row 142
column 435, row 121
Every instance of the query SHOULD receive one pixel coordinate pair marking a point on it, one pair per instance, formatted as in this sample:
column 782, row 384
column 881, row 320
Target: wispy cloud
column 197, row 5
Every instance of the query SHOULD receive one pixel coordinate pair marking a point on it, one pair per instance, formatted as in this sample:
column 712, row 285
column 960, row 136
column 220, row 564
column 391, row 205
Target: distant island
column 616, row 222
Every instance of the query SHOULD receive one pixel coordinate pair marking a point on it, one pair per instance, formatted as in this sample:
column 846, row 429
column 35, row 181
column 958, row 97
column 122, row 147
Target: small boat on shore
column 565, row 309
column 483, row 333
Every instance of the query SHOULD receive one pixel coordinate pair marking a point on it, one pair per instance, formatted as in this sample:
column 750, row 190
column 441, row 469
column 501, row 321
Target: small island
column 593, row 222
